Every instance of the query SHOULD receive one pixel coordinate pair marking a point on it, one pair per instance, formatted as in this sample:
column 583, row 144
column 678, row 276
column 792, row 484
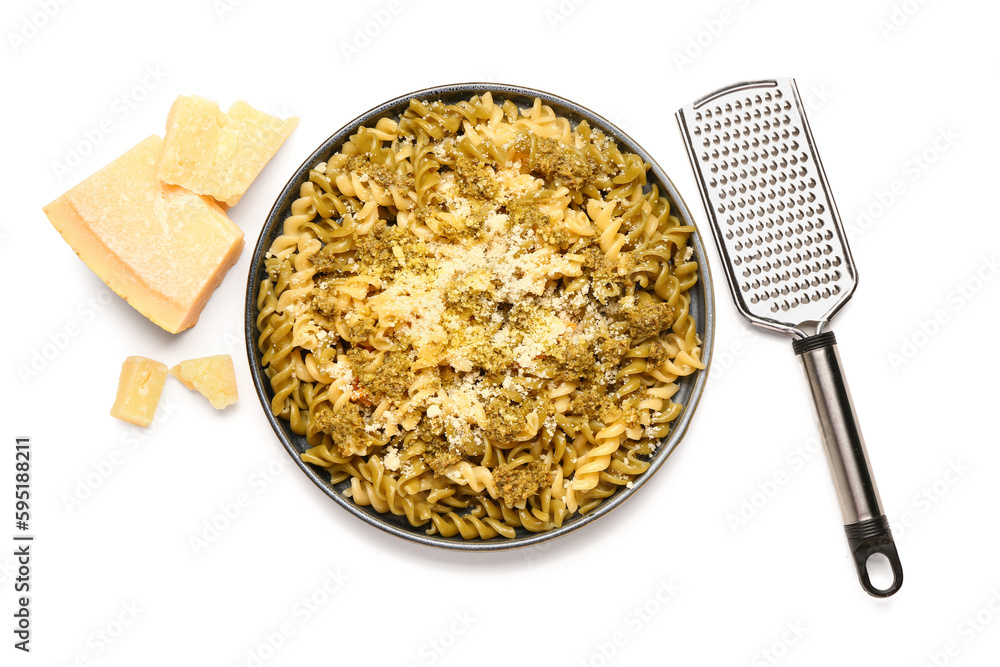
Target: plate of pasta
column 479, row 316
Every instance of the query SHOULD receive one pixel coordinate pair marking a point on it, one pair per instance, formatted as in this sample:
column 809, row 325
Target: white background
column 901, row 95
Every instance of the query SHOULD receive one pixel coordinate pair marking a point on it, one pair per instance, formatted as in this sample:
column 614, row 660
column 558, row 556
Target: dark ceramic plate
column 701, row 308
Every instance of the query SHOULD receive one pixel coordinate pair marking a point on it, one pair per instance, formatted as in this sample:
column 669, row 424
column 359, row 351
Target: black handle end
column 803, row 345
column 869, row 537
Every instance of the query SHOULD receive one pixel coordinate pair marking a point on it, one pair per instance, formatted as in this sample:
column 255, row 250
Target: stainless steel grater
column 789, row 268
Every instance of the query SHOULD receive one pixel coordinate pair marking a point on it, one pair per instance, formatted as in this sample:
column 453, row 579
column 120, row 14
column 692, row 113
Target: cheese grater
column 789, row 269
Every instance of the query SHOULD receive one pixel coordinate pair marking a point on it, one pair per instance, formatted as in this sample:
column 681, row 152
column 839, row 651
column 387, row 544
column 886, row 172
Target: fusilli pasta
column 478, row 314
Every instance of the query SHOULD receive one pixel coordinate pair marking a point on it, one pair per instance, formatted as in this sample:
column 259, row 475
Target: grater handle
column 865, row 524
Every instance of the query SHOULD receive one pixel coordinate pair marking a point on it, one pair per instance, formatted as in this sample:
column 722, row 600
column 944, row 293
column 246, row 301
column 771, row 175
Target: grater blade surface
column 769, row 204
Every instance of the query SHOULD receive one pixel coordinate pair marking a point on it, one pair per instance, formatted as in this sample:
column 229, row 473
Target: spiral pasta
column 478, row 314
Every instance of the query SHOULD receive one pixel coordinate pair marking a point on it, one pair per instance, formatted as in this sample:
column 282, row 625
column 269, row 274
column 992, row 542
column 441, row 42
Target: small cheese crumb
column 392, row 460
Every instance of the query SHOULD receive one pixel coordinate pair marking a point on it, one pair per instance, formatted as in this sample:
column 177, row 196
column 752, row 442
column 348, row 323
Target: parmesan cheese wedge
column 160, row 247
column 139, row 387
column 219, row 154
column 213, row 377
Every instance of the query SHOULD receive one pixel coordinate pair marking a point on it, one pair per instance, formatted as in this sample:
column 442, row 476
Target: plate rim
column 416, row 534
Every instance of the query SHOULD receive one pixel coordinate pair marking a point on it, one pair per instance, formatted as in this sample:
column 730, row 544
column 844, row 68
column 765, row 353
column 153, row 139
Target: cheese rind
column 139, row 387
column 213, row 377
column 160, row 247
column 219, row 154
